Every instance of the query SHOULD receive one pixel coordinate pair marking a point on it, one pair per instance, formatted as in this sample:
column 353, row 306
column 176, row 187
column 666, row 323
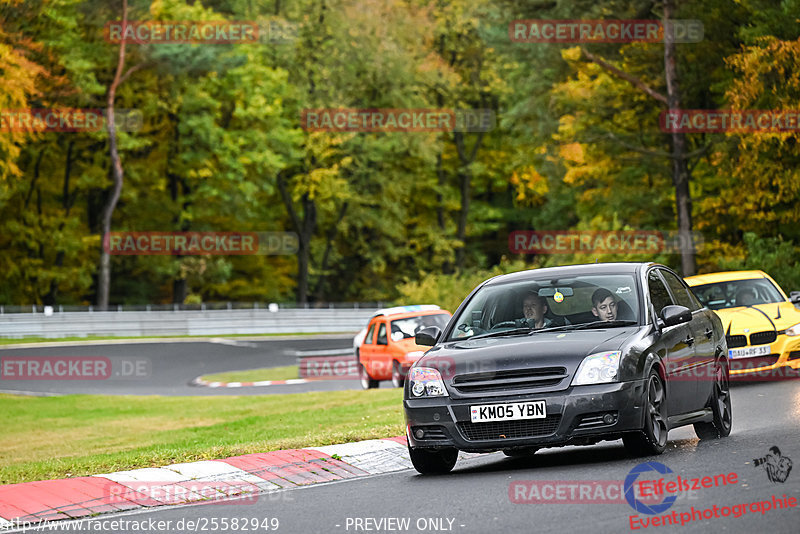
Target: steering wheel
column 503, row 324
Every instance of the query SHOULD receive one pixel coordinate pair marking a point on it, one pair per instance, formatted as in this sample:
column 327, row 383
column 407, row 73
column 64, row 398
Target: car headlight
column 598, row 368
column 426, row 382
column 793, row 330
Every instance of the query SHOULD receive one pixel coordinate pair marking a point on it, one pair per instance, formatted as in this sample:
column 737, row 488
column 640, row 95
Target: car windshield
column 735, row 293
column 408, row 327
column 523, row 307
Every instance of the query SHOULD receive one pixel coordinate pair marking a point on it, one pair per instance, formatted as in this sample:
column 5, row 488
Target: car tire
column 520, row 453
column 652, row 439
column 433, row 461
column 398, row 378
column 720, row 426
column 367, row 382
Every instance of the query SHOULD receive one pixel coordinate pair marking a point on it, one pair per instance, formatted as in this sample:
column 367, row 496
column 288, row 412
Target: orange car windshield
column 409, row 326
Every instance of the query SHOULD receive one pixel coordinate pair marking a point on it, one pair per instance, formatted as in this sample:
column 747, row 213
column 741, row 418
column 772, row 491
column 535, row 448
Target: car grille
column 509, row 380
column 527, row 428
column 763, row 338
column 736, row 341
column 794, row 355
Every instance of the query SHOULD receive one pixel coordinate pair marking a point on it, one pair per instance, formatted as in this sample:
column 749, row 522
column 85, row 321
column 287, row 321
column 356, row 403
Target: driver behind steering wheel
column 534, row 308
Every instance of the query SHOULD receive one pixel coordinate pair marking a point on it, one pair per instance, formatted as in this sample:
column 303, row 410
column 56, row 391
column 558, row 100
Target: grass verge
column 77, row 435
column 255, row 375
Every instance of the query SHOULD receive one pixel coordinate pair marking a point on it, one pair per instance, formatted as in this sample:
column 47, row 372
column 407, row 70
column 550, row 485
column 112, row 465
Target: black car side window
column 679, row 291
column 659, row 295
column 382, row 335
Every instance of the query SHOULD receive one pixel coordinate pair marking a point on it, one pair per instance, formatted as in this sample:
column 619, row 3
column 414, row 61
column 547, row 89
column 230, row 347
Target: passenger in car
column 534, row 307
column 604, row 307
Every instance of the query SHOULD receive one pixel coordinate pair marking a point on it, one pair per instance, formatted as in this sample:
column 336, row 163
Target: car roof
column 725, row 276
column 571, row 270
column 405, row 315
column 406, row 309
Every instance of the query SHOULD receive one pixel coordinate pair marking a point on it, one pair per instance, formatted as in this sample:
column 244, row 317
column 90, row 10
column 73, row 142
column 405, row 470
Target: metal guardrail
column 33, row 308
column 184, row 323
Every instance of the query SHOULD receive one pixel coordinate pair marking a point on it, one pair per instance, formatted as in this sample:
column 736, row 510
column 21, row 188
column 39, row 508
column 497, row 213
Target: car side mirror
column 672, row 315
column 427, row 336
column 794, row 296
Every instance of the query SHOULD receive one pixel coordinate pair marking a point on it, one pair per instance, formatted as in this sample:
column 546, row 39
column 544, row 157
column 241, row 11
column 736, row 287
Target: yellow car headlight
column 793, row 330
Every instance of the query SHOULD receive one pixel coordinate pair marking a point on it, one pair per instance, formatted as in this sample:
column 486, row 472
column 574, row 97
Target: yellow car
column 762, row 324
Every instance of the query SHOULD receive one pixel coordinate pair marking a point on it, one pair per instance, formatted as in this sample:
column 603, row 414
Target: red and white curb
column 237, row 477
column 205, row 383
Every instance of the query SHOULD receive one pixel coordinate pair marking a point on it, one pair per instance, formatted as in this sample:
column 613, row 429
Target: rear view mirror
column 794, row 296
column 550, row 291
column 427, row 336
column 672, row 315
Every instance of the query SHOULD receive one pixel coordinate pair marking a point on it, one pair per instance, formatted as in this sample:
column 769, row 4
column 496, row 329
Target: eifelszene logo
column 777, row 466
column 630, row 496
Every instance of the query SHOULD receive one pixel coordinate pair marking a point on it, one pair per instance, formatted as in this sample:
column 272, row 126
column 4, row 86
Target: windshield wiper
column 605, row 324
column 512, row 332
column 556, row 328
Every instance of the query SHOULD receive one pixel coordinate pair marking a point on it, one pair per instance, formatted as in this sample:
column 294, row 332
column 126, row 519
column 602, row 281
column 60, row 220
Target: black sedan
column 568, row 356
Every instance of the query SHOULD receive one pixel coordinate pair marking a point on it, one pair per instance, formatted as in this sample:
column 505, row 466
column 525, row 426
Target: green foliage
column 382, row 214
column 773, row 255
column 449, row 290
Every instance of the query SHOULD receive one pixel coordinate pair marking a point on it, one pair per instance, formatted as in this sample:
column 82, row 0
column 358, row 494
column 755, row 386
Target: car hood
column 408, row 345
column 498, row 356
column 759, row 318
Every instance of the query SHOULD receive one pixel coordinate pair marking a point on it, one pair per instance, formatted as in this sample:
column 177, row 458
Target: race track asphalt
column 166, row 368
column 475, row 498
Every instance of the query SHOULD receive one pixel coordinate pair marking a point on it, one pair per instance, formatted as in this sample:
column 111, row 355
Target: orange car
column 389, row 349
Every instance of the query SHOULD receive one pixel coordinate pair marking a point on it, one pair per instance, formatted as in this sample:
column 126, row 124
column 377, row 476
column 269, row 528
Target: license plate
column 748, row 352
column 508, row 412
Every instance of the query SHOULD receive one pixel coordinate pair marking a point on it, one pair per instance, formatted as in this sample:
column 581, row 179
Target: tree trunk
column 680, row 165
column 104, row 280
column 305, row 231
column 465, row 181
column 329, row 240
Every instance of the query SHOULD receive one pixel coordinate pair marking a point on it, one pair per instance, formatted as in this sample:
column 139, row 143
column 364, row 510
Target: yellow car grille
column 757, row 338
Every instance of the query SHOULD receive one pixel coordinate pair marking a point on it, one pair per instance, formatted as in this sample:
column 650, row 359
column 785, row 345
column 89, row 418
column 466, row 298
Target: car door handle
column 709, row 333
column 689, row 341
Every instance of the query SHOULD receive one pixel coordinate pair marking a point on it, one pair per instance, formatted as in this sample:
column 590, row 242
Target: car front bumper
column 787, row 350
column 573, row 416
